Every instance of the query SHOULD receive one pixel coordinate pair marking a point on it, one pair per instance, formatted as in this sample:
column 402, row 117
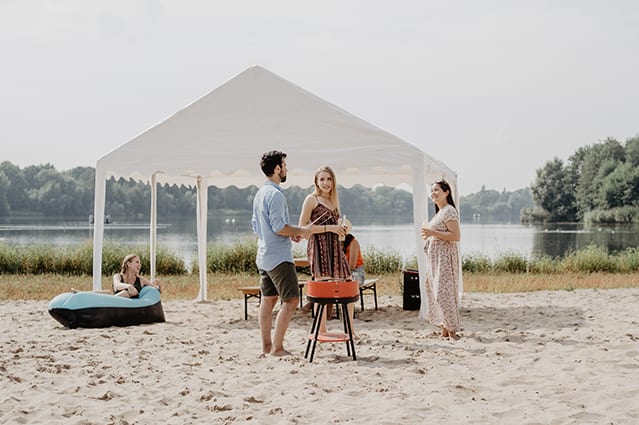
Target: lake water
column 180, row 236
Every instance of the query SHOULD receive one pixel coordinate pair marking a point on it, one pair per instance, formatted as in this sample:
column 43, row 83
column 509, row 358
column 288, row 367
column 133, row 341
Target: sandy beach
column 564, row 357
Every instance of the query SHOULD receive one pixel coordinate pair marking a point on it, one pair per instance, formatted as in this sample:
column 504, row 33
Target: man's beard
column 282, row 178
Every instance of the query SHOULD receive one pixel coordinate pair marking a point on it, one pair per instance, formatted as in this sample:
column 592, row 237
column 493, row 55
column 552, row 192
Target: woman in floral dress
column 443, row 274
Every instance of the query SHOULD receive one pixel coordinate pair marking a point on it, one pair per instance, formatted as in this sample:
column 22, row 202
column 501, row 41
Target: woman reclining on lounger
column 128, row 283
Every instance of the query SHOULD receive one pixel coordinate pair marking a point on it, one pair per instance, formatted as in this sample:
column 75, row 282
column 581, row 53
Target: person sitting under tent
column 354, row 257
column 128, row 283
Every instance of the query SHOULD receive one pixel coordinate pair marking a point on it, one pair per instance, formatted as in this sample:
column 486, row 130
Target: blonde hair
column 126, row 261
column 333, row 194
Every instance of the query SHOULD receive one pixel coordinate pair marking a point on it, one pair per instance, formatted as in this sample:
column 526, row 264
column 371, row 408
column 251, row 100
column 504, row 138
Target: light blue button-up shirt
column 270, row 215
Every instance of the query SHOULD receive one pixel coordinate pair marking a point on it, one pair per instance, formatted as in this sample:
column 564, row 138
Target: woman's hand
column 452, row 234
column 426, row 232
column 156, row 285
column 132, row 291
column 337, row 229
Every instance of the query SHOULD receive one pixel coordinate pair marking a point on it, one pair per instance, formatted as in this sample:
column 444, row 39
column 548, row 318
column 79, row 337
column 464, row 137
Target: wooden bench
column 254, row 292
column 250, row 292
column 371, row 286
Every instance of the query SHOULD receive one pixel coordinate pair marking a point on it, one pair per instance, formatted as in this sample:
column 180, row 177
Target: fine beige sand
column 565, row 357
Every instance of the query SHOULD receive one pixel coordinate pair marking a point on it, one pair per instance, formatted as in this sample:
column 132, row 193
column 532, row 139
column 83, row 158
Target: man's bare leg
column 281, row 325
column 266, row 322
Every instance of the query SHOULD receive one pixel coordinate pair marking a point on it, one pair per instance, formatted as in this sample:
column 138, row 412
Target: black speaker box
column 411, row 290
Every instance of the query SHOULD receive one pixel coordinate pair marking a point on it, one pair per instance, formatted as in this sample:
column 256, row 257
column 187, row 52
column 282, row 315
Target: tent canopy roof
column 221, row 137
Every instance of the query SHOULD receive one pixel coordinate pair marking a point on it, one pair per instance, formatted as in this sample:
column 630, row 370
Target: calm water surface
column 179, row 236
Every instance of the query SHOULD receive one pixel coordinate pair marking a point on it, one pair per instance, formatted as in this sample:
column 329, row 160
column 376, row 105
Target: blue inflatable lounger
column 96, row 310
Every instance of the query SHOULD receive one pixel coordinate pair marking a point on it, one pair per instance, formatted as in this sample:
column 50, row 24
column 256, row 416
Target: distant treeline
column 599, row 183
column 43, row 190
column 491, row 206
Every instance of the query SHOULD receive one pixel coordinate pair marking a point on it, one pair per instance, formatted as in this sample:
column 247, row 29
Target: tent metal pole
column 98, row 226
column 154, row 224
column 420, row 213
column 202, row 214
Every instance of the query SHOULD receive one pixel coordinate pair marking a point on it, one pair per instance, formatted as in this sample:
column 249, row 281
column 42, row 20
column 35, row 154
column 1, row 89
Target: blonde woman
column 320, row 212
column 128, row 283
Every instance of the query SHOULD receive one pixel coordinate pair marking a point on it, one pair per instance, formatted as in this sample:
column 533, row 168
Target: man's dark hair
column 270, row 160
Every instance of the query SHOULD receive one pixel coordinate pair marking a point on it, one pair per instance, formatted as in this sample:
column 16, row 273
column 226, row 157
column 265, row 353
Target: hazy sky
column 492, row 88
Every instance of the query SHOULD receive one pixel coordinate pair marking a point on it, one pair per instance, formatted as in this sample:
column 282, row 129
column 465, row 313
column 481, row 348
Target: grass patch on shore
column 527, row 282
column 224, row 286
column 240, row 258
column 42, row 272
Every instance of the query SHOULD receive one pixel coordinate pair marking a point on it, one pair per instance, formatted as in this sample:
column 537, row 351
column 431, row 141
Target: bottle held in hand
column 343, row 224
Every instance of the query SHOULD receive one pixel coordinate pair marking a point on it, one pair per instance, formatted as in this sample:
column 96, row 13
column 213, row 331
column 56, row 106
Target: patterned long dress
column 443, row 274
column 325, row 254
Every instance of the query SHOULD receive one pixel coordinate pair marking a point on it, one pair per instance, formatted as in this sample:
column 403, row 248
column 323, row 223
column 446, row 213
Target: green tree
column 17, row 190
column 354, row 200
column 294, row 198
column 552, row 190
column 176, row 200
column 84, row 178
column 620, row 187
column 493, row 206
column 588, row 172
column 5, row 184
column 233, row 198
column 606, row 168
column 632, row 151
column 55, row 192
column 518, row 200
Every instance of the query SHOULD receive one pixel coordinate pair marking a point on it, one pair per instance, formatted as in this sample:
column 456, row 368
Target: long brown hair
column 443, row 184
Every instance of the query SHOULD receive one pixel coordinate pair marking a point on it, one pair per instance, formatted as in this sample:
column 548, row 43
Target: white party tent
column 218, row 141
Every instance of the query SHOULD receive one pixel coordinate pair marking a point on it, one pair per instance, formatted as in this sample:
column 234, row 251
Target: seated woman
column 354, row 257
column 128, row 283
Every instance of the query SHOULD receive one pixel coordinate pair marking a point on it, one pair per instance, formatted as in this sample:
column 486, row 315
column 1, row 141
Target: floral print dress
column 443, row 273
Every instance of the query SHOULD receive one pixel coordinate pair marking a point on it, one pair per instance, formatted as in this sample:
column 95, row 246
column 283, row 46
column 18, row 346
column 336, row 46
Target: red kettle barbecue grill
column 324, row 293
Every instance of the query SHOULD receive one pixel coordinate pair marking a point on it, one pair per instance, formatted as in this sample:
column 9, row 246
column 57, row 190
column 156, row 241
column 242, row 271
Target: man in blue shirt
column 278, row 277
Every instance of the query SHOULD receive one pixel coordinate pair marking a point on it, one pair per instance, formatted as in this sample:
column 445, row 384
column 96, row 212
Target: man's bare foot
column 453, row 335
column 445, row 332
column 281, row 353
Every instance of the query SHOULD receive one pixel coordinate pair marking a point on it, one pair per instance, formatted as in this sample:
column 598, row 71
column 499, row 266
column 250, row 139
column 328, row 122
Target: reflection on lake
column 178, row 235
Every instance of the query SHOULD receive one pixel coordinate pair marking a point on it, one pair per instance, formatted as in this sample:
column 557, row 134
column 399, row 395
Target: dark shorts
column 282, row 281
